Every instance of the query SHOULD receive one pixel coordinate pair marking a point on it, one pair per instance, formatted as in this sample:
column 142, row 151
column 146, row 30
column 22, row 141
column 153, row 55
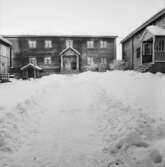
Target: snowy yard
column 85, row 120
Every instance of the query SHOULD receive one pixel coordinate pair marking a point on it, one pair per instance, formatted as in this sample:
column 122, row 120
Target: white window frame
column 69, row 43
column 33, row 60
column 103, row 60
column 103, row 44
column 47, row 60
column 90, row 61
column 48, row 44
column 90, row 44
column 3, row 50
column 32, row 44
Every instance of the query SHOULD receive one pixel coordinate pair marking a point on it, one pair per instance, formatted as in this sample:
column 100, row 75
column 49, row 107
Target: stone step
column 143, row 68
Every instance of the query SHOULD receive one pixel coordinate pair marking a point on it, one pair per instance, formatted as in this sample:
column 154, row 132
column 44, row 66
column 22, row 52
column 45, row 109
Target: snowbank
column 90, row 119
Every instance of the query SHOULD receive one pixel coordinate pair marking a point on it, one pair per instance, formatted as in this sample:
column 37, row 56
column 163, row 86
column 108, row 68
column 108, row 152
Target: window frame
column 160, row 45
column 48, row 44
column 32, row 44
column 103, row 44
column 90, row 61
column 33, row 60
column 138, row 52
column 90, row 44
column 47, row 60
column 69, row 43
column 104, row 60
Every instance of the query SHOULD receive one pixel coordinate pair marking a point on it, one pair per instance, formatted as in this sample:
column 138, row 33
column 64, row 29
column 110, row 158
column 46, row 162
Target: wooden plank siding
column 22, row 52
column 132, row 42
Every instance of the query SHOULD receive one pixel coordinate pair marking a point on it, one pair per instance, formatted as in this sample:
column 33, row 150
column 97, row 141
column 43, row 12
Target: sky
column 76, row 17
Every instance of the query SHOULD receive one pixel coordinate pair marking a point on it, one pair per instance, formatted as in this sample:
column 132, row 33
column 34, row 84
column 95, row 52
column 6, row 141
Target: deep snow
column 86, row 120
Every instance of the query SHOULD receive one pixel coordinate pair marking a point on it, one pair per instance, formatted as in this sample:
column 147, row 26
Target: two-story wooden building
column 144, row 48
column 5, row 52
column 35, row 55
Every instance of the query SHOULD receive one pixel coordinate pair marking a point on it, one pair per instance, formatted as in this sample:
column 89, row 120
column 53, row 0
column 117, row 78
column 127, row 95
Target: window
column 32, row 44
column 3, row 51
column 90, row 44
column 160, row 45
column 47, row 60
column 103, row 44
column 90, row 61
column 138, row 52
column 103, row 60
column 48, row 44
column 33, row 60
column 69, row 43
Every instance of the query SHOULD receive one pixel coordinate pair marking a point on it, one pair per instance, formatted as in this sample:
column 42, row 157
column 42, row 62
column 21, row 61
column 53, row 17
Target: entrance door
column 30, row 73
column 69, row 63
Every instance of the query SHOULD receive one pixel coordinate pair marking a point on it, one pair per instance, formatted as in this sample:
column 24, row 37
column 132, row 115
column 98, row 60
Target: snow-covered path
column 68, row 130
column 76, row 121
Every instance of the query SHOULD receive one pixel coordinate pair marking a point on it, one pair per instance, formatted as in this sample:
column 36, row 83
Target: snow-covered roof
column 156, row 30
column 69, row 48
column 5, row 40
column 31, row 65
column 152, row 31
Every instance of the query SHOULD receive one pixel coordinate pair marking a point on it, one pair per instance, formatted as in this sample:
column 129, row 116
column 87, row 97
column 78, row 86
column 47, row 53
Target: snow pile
column 90, row 119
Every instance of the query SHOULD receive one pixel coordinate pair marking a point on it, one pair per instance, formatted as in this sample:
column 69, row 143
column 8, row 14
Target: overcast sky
column 96, row 17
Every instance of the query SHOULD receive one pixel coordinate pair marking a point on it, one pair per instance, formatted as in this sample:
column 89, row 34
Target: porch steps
column 143, row 68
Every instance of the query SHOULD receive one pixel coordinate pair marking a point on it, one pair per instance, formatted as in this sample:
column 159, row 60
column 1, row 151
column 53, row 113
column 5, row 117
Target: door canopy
column 69, row 52
column 30, row 65
column 152, row 31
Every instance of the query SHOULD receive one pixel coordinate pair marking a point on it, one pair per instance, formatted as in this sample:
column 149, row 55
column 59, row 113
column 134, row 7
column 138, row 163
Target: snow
column 85, row 120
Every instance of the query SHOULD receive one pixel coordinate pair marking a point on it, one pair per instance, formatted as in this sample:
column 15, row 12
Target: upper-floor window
column 32, row 43
column 103, row 44
column 48, row 44
column 69, row 43
column 33, row 60
column 47, row 60
column 90, row 44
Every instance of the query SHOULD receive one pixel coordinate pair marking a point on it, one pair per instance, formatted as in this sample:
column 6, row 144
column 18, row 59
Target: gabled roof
column 144, row 25
column 31, row 65
column 5, row 40
column 69, row 48
column 152, row 31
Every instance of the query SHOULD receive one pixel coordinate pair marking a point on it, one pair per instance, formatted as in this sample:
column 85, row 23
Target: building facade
column 5, row 52
column 144, row 48
column 35, row 56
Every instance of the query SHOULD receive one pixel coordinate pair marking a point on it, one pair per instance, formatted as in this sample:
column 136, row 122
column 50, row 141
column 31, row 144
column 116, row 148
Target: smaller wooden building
column 31, row 71
column 5, row 57
column 144, row 48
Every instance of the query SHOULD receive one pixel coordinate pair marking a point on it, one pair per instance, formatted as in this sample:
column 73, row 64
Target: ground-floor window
column 90, row 61
column 138, row 52
column 33, row 60
column 47, row 60
column 103, row 60
column 160, row 45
